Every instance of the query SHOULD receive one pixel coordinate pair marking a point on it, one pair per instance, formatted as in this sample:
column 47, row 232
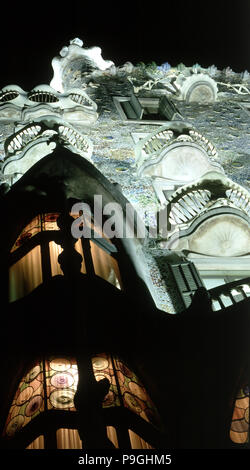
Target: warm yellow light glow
column 38, row 443
column 54, row 251
column 137, row 442
column 68, row 439
column 105, row 265
column 25, row 275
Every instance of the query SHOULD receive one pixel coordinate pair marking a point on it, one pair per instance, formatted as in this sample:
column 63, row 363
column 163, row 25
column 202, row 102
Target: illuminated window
column 38, row 443
column 34, row 257
column 125, row 388
column 50, row 386
column 239, row 431
column 68, row 439
column 137, row 442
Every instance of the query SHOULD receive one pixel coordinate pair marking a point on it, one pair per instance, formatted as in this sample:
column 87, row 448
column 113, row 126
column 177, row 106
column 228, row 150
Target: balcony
column 230, row 294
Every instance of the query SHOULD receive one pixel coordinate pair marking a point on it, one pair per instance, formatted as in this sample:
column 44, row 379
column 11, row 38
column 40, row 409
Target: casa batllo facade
column 126, row 326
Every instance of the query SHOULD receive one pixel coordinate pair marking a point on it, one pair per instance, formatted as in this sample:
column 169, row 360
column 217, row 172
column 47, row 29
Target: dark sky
column 189, row 32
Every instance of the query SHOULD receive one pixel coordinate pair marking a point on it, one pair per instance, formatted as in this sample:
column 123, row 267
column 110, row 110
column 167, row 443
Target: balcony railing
column 230, row 294
column 212, row 190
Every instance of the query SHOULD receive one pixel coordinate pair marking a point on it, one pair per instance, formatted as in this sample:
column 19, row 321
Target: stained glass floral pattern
column 38, row 224
column 134, row 394
column 28, row 232
column 34, row 395
column 52, row 384
column 61, row 383
column 125, row 389
column 103, row 368
column 28, row 401
column 49, row 221
column 239, row 432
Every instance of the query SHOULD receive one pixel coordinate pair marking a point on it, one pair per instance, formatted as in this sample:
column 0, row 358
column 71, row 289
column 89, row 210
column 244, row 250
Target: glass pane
column 61, row 374
column 49, row 221
column 112, row 436
column 31, row 229
column 105, row 265
column 103, row 368
column 25, row 275
column 61, row 383
column 126, row 385
column 38, row 443
column 134, row 394
column 55, row 250
column 28, row 401
column 240, row 420
column 68, row 439
column 137, row 442
column 39, row 223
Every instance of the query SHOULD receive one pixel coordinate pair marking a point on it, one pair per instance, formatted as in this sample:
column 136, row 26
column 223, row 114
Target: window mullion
column 45, row 385
column 50, row 441
column 45, row 259
column 123, row 437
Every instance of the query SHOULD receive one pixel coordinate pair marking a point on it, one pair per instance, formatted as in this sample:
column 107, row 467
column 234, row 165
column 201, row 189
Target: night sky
column 190, row 32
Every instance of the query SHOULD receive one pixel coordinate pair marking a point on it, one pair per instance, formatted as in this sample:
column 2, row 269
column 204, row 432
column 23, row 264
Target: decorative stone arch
column 38, row 139
column 221, row 232
column 175, row 155
column 11, row 93
column 182, row 160
column 73, row 105
column 214, row 191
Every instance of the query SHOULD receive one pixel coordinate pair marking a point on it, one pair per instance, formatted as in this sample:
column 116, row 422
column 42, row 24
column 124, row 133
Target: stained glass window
column 51, row 385
column 34, row 395
column 125, row 389
column 28, row 401
column 239, row 432
column 41, row 222
column 49, row 221
column 61, row 383
column 28, row 232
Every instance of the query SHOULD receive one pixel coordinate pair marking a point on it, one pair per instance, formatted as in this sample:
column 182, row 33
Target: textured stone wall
column 225, row 123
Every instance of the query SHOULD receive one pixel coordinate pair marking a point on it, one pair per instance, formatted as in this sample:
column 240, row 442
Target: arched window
column 43, row 414
column 239, row 431
column 34, row 256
